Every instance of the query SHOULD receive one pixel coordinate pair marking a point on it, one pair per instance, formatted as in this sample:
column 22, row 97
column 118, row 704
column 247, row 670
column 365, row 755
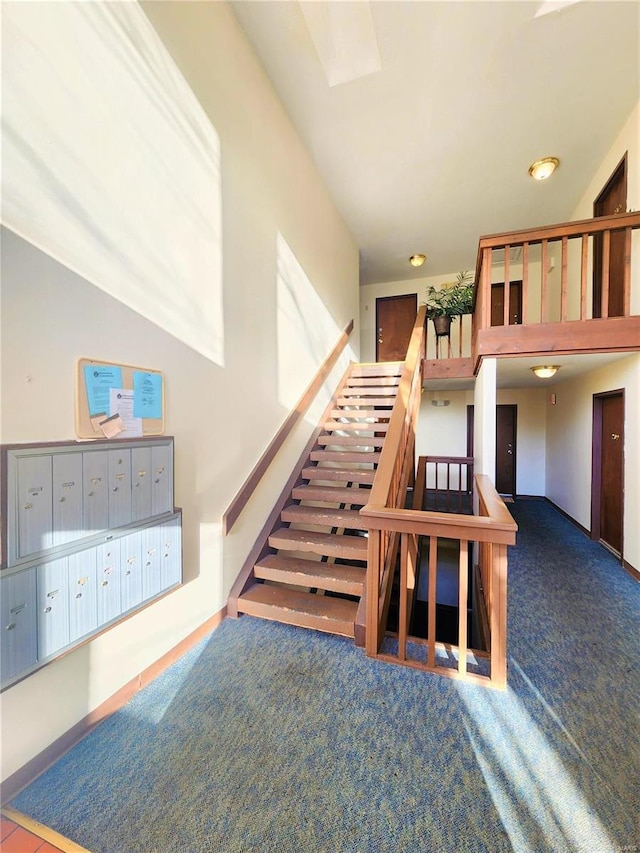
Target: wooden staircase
column 313, row 567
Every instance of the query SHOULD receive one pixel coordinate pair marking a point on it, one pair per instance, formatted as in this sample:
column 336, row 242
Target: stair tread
column 354, row 414
column 390, row 391
column 349, row 475
column 387, row 402
column 378, row 368
column 351, row 440
column 330, row 544
column 345, row 578
column 297, row 607
column 332, row 494
column 324, row 516
column 357, row 456
column 357, row 381
column 355, row 426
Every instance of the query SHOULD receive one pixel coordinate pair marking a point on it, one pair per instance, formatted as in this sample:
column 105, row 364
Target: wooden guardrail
column 238, row 503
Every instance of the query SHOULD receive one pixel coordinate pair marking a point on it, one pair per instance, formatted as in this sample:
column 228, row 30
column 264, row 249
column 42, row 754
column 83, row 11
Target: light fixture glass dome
column 546, row 371
column 417, row 260
column 542, row 169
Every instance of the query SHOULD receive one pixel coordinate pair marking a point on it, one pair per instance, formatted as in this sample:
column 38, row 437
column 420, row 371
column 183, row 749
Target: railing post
column 372, row 641
column 499, row 616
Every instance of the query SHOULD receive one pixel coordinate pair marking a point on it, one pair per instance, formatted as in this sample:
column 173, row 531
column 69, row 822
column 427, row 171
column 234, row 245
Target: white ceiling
column 431, row 151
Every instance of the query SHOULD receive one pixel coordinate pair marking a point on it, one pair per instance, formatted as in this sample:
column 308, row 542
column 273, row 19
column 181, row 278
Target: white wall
column 222, row 417
column 569, row 443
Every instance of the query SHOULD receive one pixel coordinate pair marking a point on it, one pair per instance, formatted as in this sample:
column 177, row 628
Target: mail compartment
column 53, row 607
column 108, row 581
column 119, row 487
column 171, row 553
column 83, row 606
column 162, row 478
column 141, row 479
column 130, row 571
column 95, row 491
column 67, row 497
column 18, row 649
column 35, row 519
column 151, row 561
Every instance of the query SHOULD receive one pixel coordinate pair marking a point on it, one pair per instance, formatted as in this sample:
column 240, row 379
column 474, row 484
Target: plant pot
column 442, row 325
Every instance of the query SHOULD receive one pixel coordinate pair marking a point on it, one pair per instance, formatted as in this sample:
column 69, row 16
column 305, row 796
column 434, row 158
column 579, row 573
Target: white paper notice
column 121, row 403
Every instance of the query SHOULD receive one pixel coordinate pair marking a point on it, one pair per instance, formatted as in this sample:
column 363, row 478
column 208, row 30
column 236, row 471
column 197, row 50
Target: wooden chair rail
column 238, row 503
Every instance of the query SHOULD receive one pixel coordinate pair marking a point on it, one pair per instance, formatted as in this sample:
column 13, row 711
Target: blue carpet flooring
column 271, row 738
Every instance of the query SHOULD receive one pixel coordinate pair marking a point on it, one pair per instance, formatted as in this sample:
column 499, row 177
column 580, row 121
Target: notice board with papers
column 118, row 400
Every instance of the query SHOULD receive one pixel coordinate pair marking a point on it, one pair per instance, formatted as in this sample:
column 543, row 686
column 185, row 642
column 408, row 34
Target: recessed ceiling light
column 546, row 371
column 543, row 169
column 417, row 260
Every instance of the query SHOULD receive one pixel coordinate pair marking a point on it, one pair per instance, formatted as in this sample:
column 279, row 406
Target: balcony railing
column 568, row 288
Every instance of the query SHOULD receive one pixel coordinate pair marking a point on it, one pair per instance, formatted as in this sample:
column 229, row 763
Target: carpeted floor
column 270, row 738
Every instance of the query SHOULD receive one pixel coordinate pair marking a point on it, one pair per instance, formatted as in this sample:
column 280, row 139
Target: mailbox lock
column 62, row 499
column 11, row 626
column 28, row 506
column 47, row 610
column 115, row 488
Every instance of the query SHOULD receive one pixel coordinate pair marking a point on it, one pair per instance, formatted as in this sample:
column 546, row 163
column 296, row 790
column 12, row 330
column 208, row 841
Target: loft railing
column 553, row 289
column 444, row 483
column 485, row 538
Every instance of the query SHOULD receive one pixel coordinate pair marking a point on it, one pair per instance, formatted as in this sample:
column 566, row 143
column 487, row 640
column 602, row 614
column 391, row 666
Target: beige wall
column 569, row 443
column 222, row 417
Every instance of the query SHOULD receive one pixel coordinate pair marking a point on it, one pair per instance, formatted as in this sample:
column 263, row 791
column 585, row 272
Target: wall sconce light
column 417, row 260
column 545, row 371
column 543, row 169
column 440, row 403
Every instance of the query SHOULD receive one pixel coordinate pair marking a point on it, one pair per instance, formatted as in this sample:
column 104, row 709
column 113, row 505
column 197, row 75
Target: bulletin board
column 118, row 400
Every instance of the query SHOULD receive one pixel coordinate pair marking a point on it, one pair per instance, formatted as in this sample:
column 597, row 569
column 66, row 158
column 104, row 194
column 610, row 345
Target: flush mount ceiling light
column 542, row 169
column 417, row 260
column 546, row 371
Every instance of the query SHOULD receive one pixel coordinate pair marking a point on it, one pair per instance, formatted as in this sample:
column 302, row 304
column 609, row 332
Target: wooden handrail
column 238, row 503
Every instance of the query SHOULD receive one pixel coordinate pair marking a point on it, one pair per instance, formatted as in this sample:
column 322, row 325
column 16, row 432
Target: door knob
column 615, row 436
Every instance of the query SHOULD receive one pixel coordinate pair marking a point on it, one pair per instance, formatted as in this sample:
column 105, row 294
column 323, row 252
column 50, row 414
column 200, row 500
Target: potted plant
column 449, row 301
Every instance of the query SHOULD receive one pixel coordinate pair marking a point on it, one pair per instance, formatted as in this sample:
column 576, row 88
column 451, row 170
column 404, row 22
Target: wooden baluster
column 627, row 273
column 507, row 284
column 499, row 616
column 431, row 605
column 463, row 577
column 606, row 256
column 563, row 281
column 583, row 276
column 373, row 591
column 525, row 282
column 486, row 289
column 402, row 616
column 544, row 280
column 448, row 485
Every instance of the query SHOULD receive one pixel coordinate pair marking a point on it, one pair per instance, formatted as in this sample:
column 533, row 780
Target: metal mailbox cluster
column 89, row 534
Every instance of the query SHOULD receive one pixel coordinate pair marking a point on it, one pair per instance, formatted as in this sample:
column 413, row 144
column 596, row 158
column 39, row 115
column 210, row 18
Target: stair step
column 351, row 440
column 324, row 516
column 344, row 456
column 327, row 544
column 296, row 607
column 360, row 413
column 349, row 475
column 357, row 381
column 346, row 579
column 356, row 427
column 380, row 368
column 368, row 391
column 366, row 401
column 331, row 494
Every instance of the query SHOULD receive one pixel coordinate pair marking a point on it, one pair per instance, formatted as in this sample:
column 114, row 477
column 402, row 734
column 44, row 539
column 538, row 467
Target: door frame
column 596, row 294
column 596, row 465
column 514, row 408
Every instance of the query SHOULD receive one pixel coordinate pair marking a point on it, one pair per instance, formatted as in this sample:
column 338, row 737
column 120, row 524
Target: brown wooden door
column 506, row 417
column 395, row 318
column 515, row 303
column 608, row 469
column 612, row 200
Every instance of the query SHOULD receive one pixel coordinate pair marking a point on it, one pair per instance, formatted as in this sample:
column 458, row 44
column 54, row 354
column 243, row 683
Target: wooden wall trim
column 41, row 762
column 236, row 506
column 635, row 574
